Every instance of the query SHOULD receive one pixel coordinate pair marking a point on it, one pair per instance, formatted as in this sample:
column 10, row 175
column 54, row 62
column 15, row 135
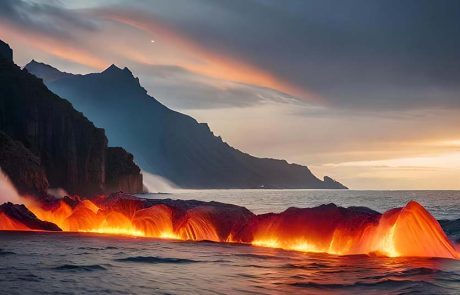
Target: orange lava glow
column 408, row 231
column 7, row 223
column 88, row 217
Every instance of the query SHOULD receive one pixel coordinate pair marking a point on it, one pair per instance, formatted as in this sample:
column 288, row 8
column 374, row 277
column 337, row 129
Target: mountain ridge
column 181, row 149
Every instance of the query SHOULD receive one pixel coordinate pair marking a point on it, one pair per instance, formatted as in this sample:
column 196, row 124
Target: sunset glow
column 275, row 83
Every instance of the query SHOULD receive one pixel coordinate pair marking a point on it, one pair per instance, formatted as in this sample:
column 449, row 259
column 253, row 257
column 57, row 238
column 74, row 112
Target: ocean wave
column 385, row 284
column 156, row 260
column 313, row 265
column 258, row 256
column 4, row 253
column 97, row 248
column 75, row 267
column 420, row 271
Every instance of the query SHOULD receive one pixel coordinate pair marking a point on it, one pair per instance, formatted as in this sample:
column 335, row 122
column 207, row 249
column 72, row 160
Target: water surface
column 70, row 263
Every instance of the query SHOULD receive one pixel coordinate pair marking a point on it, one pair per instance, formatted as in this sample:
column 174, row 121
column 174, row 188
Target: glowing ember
column 408, row 231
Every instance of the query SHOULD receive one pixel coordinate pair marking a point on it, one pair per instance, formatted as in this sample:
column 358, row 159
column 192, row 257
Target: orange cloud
column 50, row 45
column 212, row 64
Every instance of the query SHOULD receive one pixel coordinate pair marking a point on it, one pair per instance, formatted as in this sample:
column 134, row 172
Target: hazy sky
column 365, row 91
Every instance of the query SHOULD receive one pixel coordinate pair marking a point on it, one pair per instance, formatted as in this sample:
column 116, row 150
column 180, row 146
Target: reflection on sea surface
column 52, row 263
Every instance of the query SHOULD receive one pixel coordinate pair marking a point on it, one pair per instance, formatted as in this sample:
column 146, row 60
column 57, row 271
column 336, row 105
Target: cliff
column 122, row 173
column 72, row 151
column 168, row 143
column 22, row 167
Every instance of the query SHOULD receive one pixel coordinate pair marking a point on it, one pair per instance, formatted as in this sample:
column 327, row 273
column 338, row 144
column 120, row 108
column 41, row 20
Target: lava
column 407, row 231
column 8, row 223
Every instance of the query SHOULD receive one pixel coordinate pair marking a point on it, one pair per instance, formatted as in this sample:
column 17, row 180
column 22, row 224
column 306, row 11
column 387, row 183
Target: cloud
column 183, row 89
column 46, row 17
column 355, row 54
column 368, row 55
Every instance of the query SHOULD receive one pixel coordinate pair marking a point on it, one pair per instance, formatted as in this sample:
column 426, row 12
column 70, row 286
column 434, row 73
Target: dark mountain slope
column 72, row 151
column 166, row 142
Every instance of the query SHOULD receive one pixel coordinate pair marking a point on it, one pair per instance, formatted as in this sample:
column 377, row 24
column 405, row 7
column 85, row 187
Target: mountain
column 166, row 142
column 43, row 132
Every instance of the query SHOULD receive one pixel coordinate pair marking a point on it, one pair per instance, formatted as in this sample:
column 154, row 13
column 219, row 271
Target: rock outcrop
column 72, row 151
column 122, row 173
column 168, row 143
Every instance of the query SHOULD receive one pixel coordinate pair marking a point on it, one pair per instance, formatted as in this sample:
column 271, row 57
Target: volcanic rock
column 121, row 172
column 21, row 214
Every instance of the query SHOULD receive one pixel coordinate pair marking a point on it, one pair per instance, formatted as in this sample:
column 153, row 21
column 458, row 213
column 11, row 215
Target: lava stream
column 407, row 231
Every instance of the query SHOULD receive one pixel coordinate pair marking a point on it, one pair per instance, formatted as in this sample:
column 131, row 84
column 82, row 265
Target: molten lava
column 8, row 223
column 408, row 231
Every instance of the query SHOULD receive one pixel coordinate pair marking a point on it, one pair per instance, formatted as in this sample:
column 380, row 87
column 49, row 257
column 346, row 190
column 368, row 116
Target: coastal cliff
column 70, row 149
column 168, row 143
column 22, row 167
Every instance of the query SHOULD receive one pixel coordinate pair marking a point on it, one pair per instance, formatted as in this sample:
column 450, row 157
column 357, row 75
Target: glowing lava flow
column 408, row 231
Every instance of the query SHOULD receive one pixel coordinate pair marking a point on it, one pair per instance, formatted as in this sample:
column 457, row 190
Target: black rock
column 21, row 214
column 22, row 167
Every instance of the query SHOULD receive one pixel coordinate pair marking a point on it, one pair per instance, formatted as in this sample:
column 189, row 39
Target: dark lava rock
column 122, row 174
column 21, row 214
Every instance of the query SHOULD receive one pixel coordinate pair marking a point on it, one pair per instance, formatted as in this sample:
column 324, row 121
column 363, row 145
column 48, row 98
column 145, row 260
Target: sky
column 365, row 91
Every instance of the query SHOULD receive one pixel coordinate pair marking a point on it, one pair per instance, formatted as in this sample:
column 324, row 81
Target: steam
column 155, row 183
column 8, row 192
column 57, row 192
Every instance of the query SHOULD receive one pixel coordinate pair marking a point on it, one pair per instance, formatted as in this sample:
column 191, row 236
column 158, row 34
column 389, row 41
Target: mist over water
column 58, row 192
column 157, row 184
column 8, row 192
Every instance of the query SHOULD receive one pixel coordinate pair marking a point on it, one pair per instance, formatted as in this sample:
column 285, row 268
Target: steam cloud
column 8, row 192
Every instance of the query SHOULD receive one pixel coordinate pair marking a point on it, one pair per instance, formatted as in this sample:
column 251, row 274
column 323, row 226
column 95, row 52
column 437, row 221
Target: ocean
column 76, row 263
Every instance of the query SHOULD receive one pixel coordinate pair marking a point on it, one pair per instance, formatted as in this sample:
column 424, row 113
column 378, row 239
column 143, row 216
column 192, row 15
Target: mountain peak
column 125, row 77
column 34, row 63
column 45, row 71
column 114, row 69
